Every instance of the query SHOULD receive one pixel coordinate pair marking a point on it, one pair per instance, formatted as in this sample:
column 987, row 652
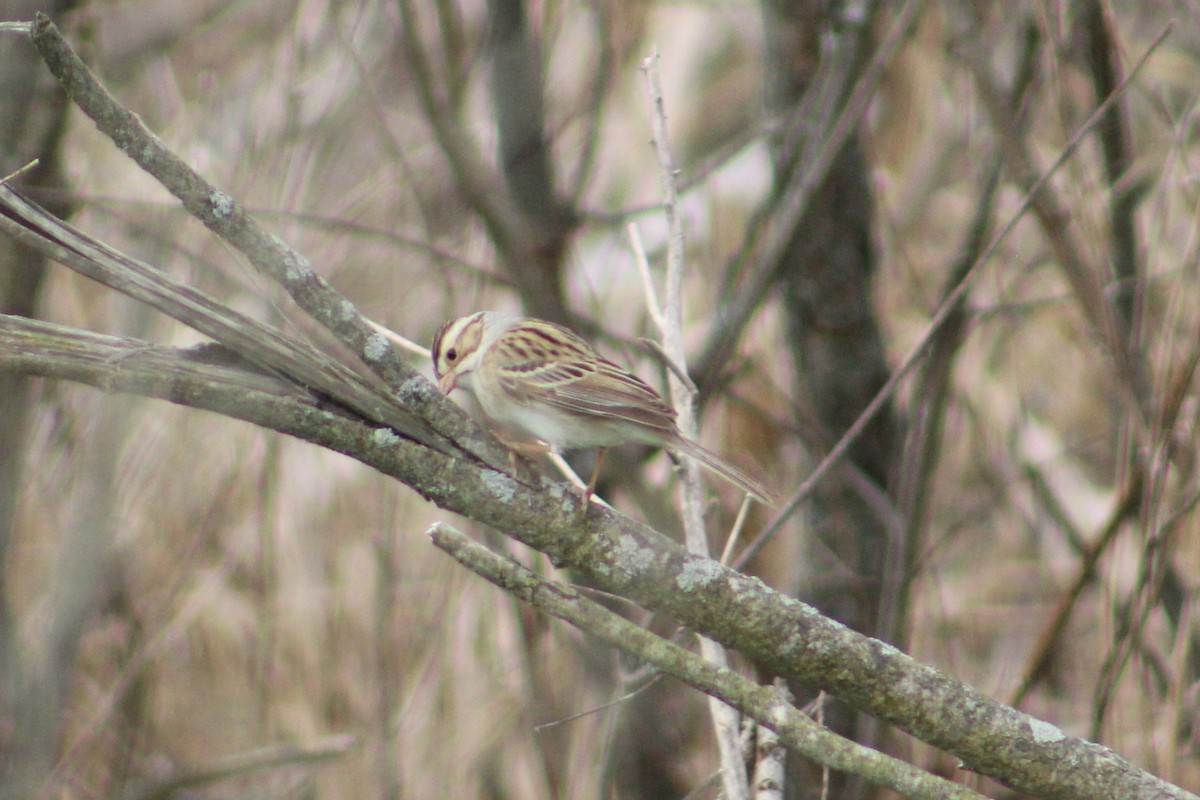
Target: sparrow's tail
column 714, row 463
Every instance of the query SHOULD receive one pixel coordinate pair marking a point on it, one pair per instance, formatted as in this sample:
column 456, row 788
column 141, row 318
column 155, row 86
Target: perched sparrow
column 541, row 379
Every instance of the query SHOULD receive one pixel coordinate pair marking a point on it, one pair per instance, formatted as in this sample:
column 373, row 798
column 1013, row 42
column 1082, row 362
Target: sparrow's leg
column 591, row 487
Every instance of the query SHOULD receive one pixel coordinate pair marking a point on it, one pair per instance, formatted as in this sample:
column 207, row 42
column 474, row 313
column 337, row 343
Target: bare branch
column 256, row 341
column 770, row 758
column 726, row 722
column 1116, row 141
column 1086, row 280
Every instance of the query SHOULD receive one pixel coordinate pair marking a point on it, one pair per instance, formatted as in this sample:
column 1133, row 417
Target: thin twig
column 475, row 185
column 625, row 698
column 603, row 77
column 1047, row 641
column 19, row 171
column 401, row 341
column 658, row 352
column 725, row 719
column 735, row 532
column 572, row 476
column 653, row 307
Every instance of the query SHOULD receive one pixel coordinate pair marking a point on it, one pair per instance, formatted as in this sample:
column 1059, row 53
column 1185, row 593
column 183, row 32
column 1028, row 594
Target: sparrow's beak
column 448, row 382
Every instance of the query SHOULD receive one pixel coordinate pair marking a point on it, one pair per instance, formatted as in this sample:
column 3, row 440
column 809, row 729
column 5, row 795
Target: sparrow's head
column 459, row 346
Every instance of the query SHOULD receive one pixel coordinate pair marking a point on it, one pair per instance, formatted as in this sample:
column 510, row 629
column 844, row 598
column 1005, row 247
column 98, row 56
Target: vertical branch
column 602, row 80
column 682, row 397
column 725, row 719
column 530, row 243
column 386, row 667
column 817, row 56
column 770, row 758
column 520, row 112
column 923, row 439
column 465, row 162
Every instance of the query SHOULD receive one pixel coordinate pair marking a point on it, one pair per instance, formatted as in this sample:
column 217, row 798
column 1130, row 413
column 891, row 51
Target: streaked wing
column 545, row 363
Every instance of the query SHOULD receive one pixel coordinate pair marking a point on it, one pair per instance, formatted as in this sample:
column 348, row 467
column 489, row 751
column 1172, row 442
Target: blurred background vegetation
column 1021, row 513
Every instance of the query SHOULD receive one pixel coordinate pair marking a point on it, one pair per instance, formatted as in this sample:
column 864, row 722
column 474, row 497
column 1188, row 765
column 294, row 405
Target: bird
column 544, row 381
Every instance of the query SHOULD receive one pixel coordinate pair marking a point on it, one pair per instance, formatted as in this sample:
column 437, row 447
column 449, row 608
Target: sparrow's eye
column 452, row 355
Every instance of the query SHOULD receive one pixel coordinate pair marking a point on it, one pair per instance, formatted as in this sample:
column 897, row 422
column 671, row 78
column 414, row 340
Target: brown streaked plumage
column 543, row 380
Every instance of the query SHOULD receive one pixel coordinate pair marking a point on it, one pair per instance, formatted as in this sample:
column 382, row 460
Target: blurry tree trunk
column 32, row 115
column 840, row 365
column 526, row 220
column 814, row 56
column 541, row 238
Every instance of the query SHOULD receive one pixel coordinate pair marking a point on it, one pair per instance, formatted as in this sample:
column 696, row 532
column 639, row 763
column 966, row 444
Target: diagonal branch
column 767, row 704
column 1052, row 213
